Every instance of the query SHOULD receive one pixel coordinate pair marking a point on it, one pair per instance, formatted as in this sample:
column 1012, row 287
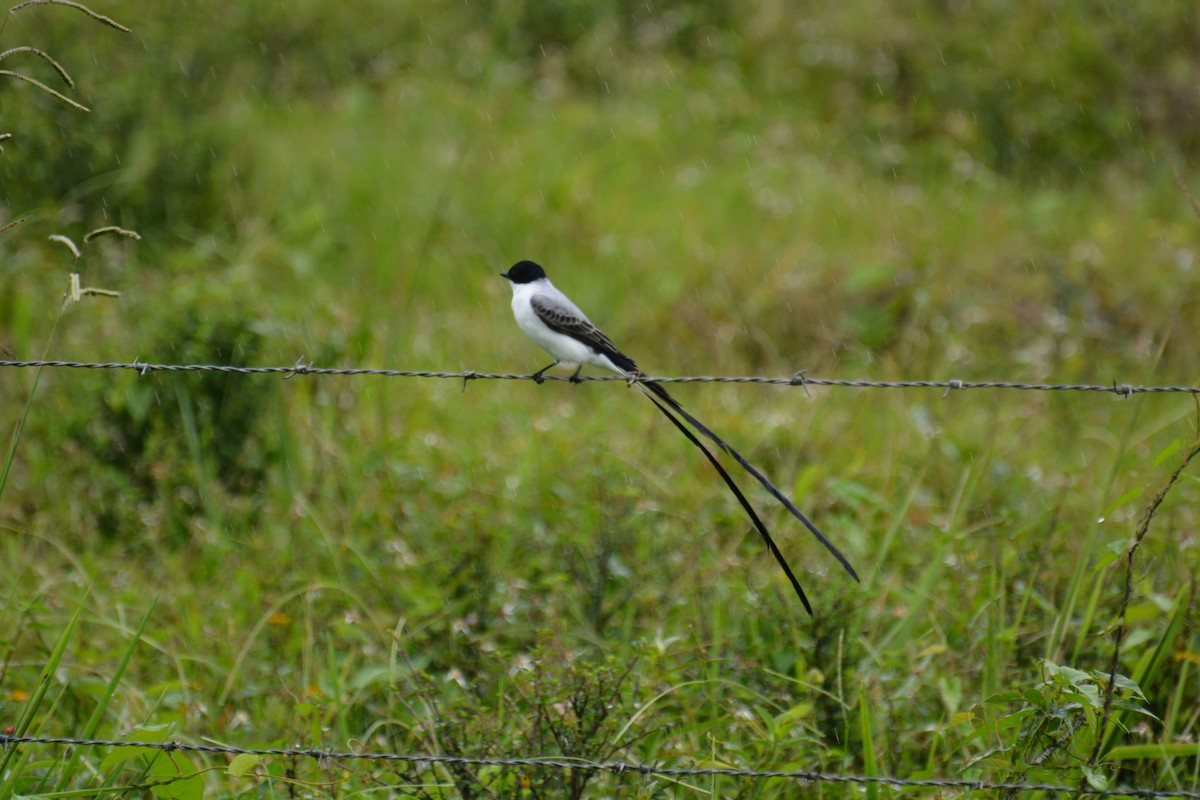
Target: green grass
column 513, row 570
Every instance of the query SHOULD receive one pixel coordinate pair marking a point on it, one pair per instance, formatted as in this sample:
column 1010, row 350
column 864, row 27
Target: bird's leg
column 575, row 378
column 537, row 376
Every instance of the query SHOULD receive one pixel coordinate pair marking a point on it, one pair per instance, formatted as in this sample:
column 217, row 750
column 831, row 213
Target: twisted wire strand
column 800, row 379
column 614, row 767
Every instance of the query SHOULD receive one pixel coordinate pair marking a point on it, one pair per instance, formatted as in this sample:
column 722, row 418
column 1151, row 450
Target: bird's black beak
column 504, row 274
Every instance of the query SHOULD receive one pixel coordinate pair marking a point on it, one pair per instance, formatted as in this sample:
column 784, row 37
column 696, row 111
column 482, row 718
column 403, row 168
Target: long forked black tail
column 733, row 487
column 770, row 487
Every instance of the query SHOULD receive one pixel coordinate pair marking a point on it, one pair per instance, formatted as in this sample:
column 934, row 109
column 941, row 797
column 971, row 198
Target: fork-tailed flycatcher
column 550, row 319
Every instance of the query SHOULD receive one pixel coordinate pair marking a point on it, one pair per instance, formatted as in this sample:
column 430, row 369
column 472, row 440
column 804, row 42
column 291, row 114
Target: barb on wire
column 615, row 767
column 800, row 379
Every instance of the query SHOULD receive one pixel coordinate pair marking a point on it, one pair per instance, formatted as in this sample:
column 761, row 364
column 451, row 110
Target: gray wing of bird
column 562, row 316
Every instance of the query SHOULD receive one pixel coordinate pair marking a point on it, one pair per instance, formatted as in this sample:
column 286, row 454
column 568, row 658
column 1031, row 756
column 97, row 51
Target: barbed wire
column 800, row 379
column 613, row 767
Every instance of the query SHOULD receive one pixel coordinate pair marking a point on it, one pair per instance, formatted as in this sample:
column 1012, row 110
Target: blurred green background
column 975, row 190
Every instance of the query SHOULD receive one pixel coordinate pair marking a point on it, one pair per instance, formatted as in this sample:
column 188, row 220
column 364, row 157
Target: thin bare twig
column 1183, row 188
column 1142, row 529
column 10, row 225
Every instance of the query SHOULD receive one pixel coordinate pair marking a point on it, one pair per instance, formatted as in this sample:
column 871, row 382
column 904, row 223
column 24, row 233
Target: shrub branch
column 1142, row 529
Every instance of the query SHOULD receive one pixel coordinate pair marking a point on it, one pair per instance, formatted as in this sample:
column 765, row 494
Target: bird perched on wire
column 552, row 321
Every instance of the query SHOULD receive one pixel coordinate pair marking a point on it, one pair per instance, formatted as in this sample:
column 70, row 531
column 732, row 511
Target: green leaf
column 155, row 734
column 1132, row 494
column 1128, row 684
column 1007, row 696
column 962, row 716
column 1135, row 708
column 1095, row 778
column 185, row 782
column 1074, row 677
column 1152, row 751
column 243, row 764
column 1014, row 720
column 1087, row 694
column 1142, row 612
column 119, row 755
column 1168, row 451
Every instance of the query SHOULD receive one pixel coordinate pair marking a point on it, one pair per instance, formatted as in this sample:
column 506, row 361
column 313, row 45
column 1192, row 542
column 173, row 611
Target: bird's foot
column 575, row 377
column 539, row 376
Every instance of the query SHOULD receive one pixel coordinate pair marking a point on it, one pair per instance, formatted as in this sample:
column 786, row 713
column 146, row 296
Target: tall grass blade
column 870, row 763
column 35, row 701
column 89, row 729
